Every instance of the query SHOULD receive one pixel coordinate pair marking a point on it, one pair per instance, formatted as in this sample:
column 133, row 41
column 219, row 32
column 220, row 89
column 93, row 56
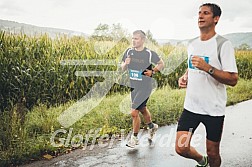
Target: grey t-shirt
column 140, row 61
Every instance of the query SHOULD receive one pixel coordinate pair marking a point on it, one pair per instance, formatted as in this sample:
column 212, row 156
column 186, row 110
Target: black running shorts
column 214, row 124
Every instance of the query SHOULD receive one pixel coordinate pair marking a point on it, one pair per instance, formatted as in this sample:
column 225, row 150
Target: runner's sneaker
column 152, row 131
column 206, row 162
column 132, row 142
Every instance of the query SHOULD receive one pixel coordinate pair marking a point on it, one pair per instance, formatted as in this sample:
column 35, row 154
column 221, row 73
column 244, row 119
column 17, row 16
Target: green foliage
column 36, row 88
column 244, row 46
column 31, row 140
column 244, row 64
column 31, row 69
column 149, row 36
column 104, row 32
column 241, row 92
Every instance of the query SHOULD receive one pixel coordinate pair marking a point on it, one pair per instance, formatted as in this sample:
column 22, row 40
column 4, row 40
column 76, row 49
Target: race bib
column 206, row 58
column 136, row 75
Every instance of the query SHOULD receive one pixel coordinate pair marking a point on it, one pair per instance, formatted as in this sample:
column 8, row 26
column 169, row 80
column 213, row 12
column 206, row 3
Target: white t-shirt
column 204, row 94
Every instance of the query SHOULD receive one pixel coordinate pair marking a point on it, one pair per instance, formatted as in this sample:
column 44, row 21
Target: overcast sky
column 167, row 19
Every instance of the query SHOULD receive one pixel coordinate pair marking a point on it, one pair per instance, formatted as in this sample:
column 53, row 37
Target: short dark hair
column 142, row 33
column 214, row 8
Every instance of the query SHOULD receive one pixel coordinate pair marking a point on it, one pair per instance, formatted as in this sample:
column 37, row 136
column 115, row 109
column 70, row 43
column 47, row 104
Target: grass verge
column 30, row 140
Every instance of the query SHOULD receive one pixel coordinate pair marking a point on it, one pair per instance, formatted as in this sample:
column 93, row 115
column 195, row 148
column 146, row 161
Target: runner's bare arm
column 124, row 64
column 183, row 80
column 224, row 77
column 159, row 66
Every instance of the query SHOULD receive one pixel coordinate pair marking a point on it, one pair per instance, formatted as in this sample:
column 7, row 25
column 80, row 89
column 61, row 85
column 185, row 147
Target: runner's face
column 137, row 41
column 205, row 19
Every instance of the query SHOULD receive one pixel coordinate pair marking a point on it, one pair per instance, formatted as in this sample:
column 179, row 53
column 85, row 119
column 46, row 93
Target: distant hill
column 236, row 38
column 28, row 29
column 240, row 38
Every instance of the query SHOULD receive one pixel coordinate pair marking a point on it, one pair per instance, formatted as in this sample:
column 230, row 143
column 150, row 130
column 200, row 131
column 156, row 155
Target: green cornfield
column 32, row 73
column 36, row 86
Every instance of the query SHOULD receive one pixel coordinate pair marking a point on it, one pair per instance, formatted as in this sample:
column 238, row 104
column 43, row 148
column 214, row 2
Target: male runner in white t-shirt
column 209, row 69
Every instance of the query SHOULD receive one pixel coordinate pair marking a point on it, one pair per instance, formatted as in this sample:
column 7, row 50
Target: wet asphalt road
column 236, row 147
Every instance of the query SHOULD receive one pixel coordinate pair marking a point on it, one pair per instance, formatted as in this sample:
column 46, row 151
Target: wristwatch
column 211, row 71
